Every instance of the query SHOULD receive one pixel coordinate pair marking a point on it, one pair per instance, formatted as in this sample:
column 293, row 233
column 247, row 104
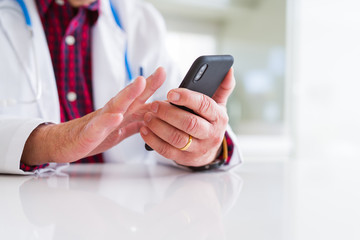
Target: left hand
column 167, row 128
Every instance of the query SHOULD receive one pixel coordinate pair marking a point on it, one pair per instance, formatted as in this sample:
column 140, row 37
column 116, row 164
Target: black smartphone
column 205, row 76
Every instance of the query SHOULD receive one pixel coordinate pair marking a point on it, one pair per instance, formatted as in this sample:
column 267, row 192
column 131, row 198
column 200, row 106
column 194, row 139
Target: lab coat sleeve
column 162, row 58
column 14, row 133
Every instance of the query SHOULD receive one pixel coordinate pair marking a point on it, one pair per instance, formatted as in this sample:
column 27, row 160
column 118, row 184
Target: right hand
column 96, row 132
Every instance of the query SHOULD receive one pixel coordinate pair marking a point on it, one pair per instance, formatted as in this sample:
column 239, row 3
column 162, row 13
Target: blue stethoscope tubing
column 117, row 21
column 25, row 12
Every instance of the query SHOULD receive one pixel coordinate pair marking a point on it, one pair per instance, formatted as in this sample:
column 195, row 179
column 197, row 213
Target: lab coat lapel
column 108, row 46
column 49, row 102
column 20, row 40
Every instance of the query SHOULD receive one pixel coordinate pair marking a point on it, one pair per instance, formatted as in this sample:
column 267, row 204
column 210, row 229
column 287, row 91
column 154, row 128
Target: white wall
column 326, row 78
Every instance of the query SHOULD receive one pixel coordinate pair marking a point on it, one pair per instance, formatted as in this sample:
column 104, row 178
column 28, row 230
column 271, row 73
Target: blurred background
column 295, row 106
column 296, row 67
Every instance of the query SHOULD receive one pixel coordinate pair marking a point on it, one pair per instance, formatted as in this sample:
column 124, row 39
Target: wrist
column 36, row 148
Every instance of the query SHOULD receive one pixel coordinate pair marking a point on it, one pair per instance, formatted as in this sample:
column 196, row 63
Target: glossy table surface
column 274, row 200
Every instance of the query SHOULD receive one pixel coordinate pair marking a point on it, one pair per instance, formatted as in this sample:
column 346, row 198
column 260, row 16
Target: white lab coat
column 144, row 34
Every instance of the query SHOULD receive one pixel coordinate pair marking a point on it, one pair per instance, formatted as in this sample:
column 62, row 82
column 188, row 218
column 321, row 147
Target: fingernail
column 154, row 107
column 174, row 96
column 144, row 131
column 147, row 117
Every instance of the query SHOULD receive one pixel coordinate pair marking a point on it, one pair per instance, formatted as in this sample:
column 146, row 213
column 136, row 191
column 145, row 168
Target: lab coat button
column 60, row 2
column 70, row 40
column 71, row 96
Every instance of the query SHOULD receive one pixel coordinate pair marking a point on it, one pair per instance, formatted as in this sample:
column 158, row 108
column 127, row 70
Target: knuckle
column 164, row 150
column 191, row 124
column 221, row 117
column 205, row 104
column 176, row 138
column 216, row 117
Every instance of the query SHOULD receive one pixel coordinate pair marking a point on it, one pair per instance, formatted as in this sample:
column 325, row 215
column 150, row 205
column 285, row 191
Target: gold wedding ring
column 187, row 145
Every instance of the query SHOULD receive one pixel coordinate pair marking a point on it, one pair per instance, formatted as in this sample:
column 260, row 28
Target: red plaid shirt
column 68, row 34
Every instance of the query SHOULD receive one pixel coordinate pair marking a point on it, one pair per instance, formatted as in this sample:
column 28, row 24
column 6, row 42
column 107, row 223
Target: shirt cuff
column 230, row 148
column 27, row 168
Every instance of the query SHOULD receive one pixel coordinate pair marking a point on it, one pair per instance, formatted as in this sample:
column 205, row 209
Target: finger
column 201, row 104
column 152, row 84
column 225, row 89
column 168, row 133
column 121, row 102
column 159, row 145
column 187, row 122
column 138, row 108
column 135, row 115
column 168, row 151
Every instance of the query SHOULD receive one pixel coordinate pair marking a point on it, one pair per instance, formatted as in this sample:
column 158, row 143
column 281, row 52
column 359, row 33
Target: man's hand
column 167, row 128
column 96, row 132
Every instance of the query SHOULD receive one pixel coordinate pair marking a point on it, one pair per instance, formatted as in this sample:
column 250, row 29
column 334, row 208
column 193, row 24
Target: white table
column 136, row 201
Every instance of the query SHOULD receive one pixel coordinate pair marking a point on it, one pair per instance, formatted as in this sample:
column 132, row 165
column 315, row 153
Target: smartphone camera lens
column 200, row 72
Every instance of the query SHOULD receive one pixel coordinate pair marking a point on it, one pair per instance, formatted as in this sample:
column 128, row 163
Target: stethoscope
column 38, row 91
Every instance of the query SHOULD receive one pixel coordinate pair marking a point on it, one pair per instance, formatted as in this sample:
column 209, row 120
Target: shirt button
column 60, row 2
column 71, row 96
column 70, row 40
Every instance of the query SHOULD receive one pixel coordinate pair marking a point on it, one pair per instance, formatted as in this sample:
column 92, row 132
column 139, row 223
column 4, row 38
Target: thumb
column 225, row 89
